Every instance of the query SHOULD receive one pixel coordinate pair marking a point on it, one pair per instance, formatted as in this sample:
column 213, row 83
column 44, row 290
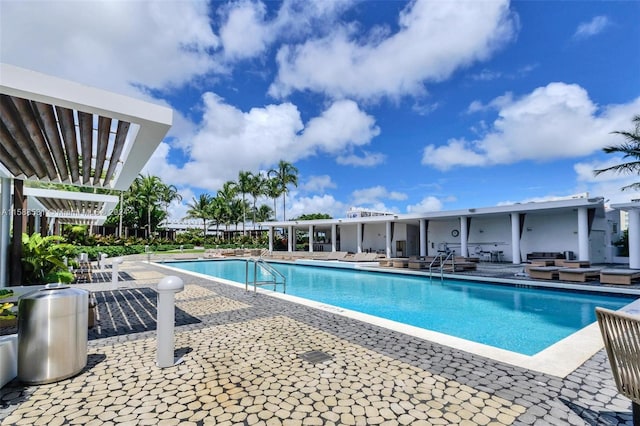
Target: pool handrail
column 266, row 267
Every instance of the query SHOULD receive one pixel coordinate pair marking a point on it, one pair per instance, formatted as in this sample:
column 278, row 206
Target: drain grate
column 315, row 357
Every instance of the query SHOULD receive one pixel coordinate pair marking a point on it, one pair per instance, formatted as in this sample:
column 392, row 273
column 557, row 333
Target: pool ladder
column 272, row 272
column 440, row 261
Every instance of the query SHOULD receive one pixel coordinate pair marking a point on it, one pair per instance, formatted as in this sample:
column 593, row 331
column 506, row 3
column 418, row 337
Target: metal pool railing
column 272, row 272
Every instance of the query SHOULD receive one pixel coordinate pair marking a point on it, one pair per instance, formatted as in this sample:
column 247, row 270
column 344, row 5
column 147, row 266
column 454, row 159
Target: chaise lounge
column 619, row 276
column 544, row 272
column 578, row 274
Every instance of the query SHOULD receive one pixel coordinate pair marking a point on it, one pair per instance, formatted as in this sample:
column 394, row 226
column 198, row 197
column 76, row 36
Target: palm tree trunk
column 284, row 206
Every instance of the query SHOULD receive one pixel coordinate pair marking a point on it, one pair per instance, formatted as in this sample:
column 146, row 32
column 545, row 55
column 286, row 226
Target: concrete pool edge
column 558, row 360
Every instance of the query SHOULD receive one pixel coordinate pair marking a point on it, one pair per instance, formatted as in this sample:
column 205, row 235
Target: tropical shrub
column 43, row 259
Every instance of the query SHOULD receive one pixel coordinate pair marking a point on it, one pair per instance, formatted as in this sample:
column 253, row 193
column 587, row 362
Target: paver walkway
column 255, row 359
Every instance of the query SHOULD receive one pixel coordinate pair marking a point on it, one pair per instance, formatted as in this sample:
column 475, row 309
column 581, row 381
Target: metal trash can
column 52, row 334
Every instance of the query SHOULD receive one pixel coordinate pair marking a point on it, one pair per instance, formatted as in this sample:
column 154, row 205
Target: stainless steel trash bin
column 52, row 334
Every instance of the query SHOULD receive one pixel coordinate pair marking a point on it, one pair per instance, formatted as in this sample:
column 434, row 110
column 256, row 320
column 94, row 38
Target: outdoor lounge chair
column 542, row 262
column 621, row 336
column 619, row 276
column 400, row 263
column 578, row 274
column 362, row 257
column 543, row 272
column 385, row 262
column 573, row 263
column 336, row 255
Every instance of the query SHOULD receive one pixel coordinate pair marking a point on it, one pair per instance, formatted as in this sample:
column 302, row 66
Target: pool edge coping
column 559, row 359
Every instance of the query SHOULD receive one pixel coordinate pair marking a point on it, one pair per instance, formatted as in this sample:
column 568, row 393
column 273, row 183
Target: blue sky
column 399, row 106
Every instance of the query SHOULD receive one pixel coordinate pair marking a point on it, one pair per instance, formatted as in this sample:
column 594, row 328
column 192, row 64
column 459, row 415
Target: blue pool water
column 523, row 320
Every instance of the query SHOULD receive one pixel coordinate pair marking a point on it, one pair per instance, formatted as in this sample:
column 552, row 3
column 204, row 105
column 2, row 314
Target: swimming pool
column 522, row 320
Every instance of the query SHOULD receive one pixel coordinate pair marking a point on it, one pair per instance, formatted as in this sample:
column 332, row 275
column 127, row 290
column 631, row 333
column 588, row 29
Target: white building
column 575, row 227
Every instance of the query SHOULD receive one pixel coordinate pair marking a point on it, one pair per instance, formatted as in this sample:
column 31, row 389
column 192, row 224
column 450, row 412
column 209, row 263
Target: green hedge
column 116, row 251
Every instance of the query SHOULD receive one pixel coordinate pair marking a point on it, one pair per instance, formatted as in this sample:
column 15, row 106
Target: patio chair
column 621, row 336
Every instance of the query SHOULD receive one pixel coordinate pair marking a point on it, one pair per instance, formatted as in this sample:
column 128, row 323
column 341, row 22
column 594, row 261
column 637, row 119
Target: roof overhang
column 55, row 130
column 527, row 208
column 626, row 206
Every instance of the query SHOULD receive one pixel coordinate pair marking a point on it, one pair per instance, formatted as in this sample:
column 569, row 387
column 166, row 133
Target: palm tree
column 263, row 213
column 169, row 194
column 227, row 194
column 200, row 208
column 273, row 191
column 630, row 149
column 257, row 187
column 148, row 190
column 285, row 174
column 243, row 186
column 217, row 210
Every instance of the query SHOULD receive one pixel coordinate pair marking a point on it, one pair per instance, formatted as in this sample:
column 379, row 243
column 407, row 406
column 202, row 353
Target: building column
column 388, row 239
column 5, row 224
column 334, row 236
column 44, row 225
column 37, row 223
column 271, row 239
column 290, row 237
column 423, row 237
column 310, row 238
column 634, row 238
column 515, row 238
column 583, row 234
column 359, row 237
column 464, row 237
column 19, row 225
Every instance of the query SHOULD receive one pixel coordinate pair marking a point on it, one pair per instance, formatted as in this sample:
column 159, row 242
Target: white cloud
column 591, row 28
column 178, row 209
column 117, row 46
column 229, row 140
column 342, row 122
column 423, row 49
column 606, row 184
column 368, row 159
column 315, row 204
column 244, row 34
column 318, row 184
column 555, row 121
column 487, row 75
column 589, row 185
column 428, row 204
column 373, row 195
column 247, row 32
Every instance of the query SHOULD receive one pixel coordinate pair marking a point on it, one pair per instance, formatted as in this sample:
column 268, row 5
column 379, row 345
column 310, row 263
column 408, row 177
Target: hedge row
column 116, row 251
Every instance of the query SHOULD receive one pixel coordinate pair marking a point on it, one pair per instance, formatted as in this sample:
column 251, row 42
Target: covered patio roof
column 72, row 207
column 60, row 131
column 55, row 130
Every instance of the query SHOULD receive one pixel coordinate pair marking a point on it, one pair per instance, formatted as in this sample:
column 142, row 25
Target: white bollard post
column 101, row 259
column 114, row 269
column 167, row 289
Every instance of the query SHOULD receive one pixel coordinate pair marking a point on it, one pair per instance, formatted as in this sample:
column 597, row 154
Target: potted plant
column 8, row 317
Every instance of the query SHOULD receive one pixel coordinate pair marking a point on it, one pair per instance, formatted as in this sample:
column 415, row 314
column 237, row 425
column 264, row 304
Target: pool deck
column 262, row 360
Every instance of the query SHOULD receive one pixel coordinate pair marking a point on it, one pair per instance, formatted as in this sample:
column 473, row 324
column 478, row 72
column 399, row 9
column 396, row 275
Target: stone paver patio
column 245, row 363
